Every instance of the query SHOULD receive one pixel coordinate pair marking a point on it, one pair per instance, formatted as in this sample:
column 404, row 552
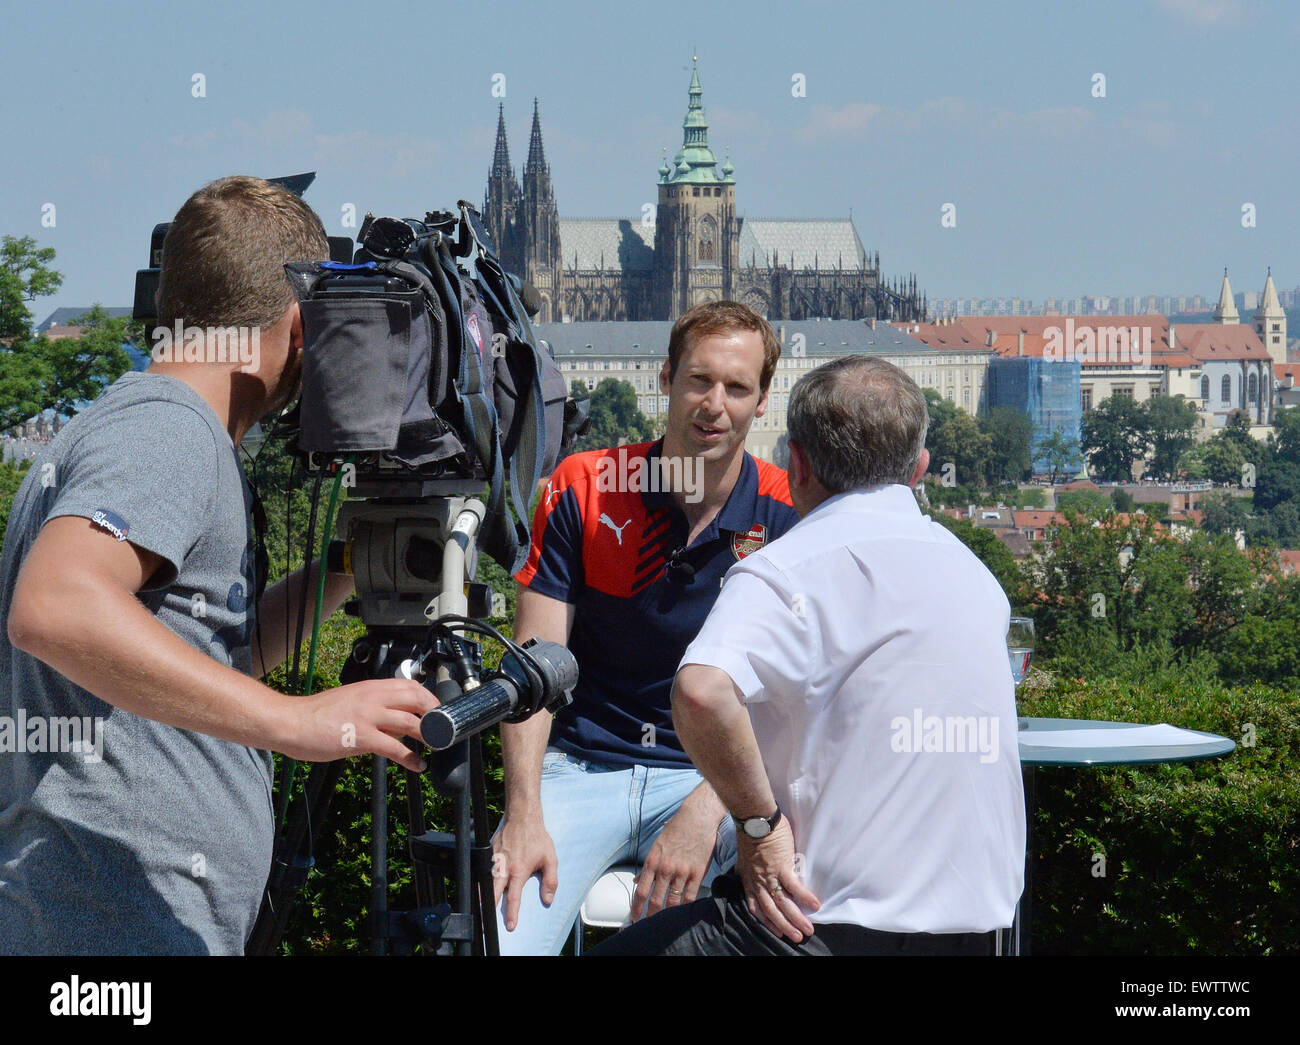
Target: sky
column 1061, row 184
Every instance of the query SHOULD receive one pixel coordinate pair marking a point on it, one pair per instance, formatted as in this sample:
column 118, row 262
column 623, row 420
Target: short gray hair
column 861, row 421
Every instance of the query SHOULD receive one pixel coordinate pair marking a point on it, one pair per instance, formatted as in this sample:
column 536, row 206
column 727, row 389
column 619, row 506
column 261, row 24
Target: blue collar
column 736, row 516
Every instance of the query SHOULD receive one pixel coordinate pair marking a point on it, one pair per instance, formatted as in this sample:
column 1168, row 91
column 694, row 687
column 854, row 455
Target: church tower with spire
column 541, row 221
column 696, row 232
column 1270, row 322
column 502, row 202
column 1225, row 311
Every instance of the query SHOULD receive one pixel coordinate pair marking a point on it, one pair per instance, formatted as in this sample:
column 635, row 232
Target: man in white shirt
column 851, row 702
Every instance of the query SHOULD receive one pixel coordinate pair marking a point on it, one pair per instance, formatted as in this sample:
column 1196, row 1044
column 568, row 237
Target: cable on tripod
column 524, row 658
column 293, row 682
column 320, row 579
column 298, row 685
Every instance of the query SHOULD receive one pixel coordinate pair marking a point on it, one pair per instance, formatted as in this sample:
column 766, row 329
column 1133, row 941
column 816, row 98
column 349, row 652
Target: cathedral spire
column 501, row 154
column 695, row 163
column 536, row 155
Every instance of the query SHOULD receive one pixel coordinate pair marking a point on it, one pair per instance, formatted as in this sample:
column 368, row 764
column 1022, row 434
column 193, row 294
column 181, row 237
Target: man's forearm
column 715, row 731
column 109, row 644
column 277, row 613
column 523, row 746
column 705, row 803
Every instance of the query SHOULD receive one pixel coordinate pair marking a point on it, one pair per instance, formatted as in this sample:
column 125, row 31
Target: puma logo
column 618, row 530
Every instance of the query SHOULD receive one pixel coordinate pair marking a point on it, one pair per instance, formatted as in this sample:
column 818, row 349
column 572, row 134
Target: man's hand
column 370, row 716
column 680, row 857
column 773, row 891
column 519, row 850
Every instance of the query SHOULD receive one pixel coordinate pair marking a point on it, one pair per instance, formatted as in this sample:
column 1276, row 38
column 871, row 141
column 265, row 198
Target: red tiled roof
column 1206, row 342
column 974, row 331
column 1193, row 342
column 1036, row 518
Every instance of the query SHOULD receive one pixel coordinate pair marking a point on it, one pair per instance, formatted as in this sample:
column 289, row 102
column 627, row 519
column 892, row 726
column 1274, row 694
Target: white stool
column 609, row 902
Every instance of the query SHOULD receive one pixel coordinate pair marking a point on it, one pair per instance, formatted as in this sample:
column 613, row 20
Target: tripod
column 395, row 563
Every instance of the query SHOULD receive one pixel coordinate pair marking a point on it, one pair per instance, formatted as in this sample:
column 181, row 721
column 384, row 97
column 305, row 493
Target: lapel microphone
column 678, row 568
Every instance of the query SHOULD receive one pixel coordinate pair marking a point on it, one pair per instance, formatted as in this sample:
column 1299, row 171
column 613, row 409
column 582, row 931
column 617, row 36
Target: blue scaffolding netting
column 1048, row 391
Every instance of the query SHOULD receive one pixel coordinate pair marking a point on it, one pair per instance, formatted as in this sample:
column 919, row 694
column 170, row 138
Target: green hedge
column 1200, row 858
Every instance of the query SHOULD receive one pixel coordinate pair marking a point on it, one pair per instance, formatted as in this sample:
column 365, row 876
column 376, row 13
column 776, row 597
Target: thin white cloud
column 1158, row 134
column 832, row 123
column 854, row 120
column 1204, row 13
column 393, row 155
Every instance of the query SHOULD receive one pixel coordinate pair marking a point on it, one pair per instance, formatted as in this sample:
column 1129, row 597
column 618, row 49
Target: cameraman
column 128, row 597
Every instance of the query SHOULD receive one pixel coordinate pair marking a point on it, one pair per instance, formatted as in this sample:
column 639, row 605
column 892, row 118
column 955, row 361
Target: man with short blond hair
column 129, row 598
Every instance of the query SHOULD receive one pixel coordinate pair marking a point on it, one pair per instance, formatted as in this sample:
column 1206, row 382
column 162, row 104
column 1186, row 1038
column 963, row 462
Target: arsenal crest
column 743, row 544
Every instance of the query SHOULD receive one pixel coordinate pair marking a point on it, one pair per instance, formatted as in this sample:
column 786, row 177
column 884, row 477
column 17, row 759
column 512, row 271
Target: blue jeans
column 598, row 816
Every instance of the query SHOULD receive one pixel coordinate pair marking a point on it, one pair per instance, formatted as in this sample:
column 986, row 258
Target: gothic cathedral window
column 706, row 250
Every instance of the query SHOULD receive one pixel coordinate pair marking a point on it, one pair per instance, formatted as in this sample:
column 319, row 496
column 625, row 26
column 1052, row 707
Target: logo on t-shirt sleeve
column 112, row 522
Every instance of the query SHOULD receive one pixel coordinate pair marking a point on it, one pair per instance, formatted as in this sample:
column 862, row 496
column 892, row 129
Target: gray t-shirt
column 119, row 834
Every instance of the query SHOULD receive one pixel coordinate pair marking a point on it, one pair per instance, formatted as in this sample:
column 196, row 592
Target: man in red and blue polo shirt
column 629, row 549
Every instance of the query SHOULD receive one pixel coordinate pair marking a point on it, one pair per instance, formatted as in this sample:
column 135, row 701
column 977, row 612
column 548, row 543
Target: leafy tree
column 1061, row 452
column 1237, row 433
column 40, row 374
column 1114, row 436
column 1170, row 423
column 1010, row 431
column 1222, row 460
column 1280, row 525
column 36, row 373
column 25, row 275
column 1277, row 482
column 615, row 419
column 1285, row 440
column 1263, row 648
column 958, row 441
column 1139, row 588
column 1157, row 510
column 1121, row 499
column 1223, row 513
column 1034, row 497
column 1085, row 502
column 11, row 477
column 1191, row 465
column 940, row 410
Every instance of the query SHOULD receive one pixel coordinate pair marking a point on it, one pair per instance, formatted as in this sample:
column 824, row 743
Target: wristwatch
column 758, row 826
